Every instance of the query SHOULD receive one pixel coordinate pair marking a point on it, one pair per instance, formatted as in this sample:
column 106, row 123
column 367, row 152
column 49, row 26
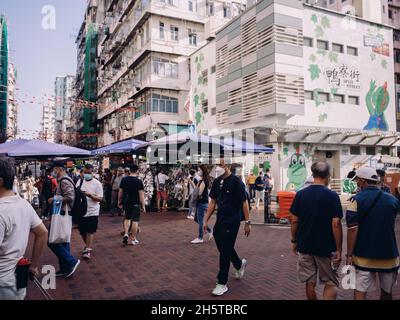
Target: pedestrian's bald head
column 321, row 170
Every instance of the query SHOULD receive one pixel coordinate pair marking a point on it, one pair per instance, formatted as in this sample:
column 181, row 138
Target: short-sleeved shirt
column 95, row 188
column 131, row 186
column 376, row 245
column 316, row 207
column 260, row 183
column 230, row 193
column 17, row 219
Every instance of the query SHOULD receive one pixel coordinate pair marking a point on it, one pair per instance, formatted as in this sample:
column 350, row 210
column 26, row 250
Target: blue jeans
column 201, row 210
column 63, row 252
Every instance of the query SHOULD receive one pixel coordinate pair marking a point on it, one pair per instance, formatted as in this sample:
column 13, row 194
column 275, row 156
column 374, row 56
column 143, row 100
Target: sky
column 40, row 54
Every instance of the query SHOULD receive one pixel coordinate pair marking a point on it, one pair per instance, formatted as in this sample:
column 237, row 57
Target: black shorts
column 132, row 212
column 88, row 225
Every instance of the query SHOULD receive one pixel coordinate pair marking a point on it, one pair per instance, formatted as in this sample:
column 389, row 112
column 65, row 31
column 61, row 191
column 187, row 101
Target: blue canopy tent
column 35, row 149
column 119, row 147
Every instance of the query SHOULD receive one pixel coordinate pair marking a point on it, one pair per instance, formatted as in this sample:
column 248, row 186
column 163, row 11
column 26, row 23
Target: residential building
column 12, row 108
column 308, row 84
column 143, row 70
column 48, row 122
column 64, row 97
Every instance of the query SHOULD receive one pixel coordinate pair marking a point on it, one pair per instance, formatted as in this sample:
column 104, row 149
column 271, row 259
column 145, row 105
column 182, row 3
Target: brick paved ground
column 166, row 266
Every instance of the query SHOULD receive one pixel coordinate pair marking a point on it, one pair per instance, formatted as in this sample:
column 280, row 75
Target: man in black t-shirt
column 131, row 200
column 317, row 233
column 229, row 192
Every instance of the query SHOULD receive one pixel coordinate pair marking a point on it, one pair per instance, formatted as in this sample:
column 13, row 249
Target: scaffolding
column 90, row 85
column 3, row 78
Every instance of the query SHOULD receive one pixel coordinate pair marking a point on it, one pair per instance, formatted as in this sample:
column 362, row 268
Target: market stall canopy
column 22, row 148
column 120, row 147
column 227, row 144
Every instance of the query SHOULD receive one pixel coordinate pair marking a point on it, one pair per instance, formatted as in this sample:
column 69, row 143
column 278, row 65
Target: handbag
column 61, row 227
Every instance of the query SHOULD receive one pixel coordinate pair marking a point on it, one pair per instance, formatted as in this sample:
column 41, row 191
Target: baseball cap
column 367, row 173
column 58, row 164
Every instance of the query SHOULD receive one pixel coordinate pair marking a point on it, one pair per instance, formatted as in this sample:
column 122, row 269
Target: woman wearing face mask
column 202, row 203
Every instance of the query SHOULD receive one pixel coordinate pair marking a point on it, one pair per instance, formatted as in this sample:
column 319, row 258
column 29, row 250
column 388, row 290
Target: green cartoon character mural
column 297, row 171
column 377, row 102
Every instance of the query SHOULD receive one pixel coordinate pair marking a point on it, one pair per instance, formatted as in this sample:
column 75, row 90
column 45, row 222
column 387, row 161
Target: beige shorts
column 309, row 267
column 367, row 281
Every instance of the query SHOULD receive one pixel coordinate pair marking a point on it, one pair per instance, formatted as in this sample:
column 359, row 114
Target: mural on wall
column 375, row 41
column 377, row 101
column 297, row 170
column 349, row 186
column 199, row 97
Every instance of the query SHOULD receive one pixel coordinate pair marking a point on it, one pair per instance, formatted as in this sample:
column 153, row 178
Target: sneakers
column 125, row 239
column 210, row 235
column 134, row 242
column 86, row 253
column 219, row 290
column 197, row 241
column 60, row 273
column 72, row 271
column 240, row 273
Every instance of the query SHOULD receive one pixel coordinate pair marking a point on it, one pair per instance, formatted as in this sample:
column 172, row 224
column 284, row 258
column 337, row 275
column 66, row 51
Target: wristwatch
column 248, row 222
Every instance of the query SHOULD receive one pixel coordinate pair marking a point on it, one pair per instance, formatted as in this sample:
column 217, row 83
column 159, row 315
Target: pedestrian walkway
column 166, row 266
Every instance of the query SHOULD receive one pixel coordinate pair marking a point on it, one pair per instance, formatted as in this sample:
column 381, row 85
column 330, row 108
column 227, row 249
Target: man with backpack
column 67, row 191
column 49, row 187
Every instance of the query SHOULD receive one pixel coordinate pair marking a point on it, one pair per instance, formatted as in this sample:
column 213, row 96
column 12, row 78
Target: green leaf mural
column 334, row 90
column 319, row 32
column 314, row 18
column 285, row 151
column 373, row 56
column 384, row 64
column 322, row 52
column 325, row 22
column 266, row 165
column 198, row 117
column 200, row 79
column 314, row 71
column 322, row 117
column 333, row 56
column 255, row 170
column 202, row 96
column 313, row 58
column 316, row 97
column 196, row 100
column 198, row 67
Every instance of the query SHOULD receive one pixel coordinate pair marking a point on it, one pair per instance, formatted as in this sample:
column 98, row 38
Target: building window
column 204, row 75
column 323, row 96
column 385, row 151
column 338, row 98
column 353, row 51
column 354, row 100
column 308, row 95
column 174, row 3
column 162, row 31
column 337, row 47
column 390, row 14
column 192, row 5
column 397, row 78
column 227, row 10
column 370, row 151
column 210, row 8
column 164, row 104
column 397, row 56
column 213, row 111
column 192, row 37
column 174, row 33
column 308, row 42
column 204, row 104
column 212, row 69
column 165, row 68
column 355, row 150
column 323, row 45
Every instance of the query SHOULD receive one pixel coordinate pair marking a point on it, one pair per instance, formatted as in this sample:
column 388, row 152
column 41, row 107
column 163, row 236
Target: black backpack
column 79, row 207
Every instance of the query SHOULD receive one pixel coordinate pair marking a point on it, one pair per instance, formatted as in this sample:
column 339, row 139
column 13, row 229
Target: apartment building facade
column 48, row 132
column 142, row 68
column 64, row 88
column 309, row 84
column 12, row 108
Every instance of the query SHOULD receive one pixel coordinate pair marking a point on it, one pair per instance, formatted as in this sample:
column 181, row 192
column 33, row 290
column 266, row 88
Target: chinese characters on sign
column 342, row 76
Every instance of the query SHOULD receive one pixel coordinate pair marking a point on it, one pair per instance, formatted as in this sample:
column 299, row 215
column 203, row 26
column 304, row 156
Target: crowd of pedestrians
column 74, row 198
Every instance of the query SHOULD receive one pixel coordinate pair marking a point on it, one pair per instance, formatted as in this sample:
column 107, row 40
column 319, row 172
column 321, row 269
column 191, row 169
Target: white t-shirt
column 17, row 219
column 161, row 178
column 94, row 187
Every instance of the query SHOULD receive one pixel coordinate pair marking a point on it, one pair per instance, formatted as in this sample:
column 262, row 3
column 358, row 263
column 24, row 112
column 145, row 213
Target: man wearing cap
column 371, row 239
column 65, row 189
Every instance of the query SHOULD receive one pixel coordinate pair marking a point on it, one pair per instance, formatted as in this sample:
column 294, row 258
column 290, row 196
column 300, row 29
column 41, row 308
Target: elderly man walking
column 317, row 233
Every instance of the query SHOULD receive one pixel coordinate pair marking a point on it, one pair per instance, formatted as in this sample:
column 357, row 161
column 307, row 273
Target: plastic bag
column 61, row 225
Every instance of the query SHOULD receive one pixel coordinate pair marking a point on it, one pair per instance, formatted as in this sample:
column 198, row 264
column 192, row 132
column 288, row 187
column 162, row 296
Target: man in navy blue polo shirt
column 229, row 192
column 371, row 239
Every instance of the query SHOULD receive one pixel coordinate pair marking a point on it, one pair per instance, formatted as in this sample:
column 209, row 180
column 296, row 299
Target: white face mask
column 219, row 171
